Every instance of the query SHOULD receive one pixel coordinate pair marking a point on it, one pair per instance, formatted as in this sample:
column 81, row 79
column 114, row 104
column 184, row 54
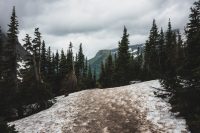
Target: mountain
column 101, row 55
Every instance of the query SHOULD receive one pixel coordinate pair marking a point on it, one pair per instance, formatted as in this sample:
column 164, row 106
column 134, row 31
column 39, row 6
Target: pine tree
column 80, row 61
column 37, row 54
column 4, row 127
column 161, row 52
column 94, row 78
column 33, row 89
column 1, row 54
column 89, row 78
column 12, row 38
column 69, row 59
column 49, row 64
column 102, row 76
column 69, row 83
column 147, row 60
column 169, row 77
column 43, row 60
column 190, row 94
column 151, row 53
column 9, row 84
column 109, row 70
column 57, row 60
column 192, row 50
column 23, row 95
column 179, row 52
column 122, row 63
column 85, row 68
column 63, row 64
column 57, row 74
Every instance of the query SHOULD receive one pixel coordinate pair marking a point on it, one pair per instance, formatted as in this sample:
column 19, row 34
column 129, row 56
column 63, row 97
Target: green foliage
column 80, row 62
column 123, row 68
column 8, row 69
column 63, row 64
column 43, row 59
column 107, row 73
column 102, row 76
column 186, row 99
column 151, row 53
column 122, row 76
column 69, row 62
column 34, row 92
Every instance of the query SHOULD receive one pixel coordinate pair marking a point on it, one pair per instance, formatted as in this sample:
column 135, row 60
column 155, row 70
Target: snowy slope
column 125, row 109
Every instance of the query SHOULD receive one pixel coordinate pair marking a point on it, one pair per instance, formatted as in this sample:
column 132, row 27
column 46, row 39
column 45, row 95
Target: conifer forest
column 37, row 77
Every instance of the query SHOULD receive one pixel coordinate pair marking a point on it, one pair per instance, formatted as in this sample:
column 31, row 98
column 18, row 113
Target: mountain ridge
column 101, row 56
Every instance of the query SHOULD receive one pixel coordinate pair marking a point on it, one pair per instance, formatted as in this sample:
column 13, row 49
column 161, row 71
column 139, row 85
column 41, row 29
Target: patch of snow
column 97, row 109
column 157, row 109
column 20, row 66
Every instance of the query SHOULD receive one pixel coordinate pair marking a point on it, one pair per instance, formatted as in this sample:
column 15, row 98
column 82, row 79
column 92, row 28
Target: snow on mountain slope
column 126, row 109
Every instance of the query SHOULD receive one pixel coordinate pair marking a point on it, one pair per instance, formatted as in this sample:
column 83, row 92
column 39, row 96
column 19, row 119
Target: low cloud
column 98, row 24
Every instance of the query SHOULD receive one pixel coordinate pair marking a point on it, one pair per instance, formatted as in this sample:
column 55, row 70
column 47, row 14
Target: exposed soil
column 101, row 112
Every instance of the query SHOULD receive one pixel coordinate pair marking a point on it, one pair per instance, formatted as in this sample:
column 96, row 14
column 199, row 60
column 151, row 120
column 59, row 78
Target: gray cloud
column 96, row 23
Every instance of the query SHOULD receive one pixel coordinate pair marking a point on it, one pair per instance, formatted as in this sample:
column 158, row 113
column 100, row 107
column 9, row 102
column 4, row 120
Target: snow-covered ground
column 126, row 109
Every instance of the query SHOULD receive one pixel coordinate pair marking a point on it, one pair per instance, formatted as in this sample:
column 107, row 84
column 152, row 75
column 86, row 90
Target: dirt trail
column 101, row 111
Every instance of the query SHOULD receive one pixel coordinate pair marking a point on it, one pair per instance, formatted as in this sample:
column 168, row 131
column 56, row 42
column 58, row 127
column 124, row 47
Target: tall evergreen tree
column 122, row 63
column 89, row 78
column 63, row 64
column 190, row 95
column 161, row 52
column 37, row 54
column 57, row 60
column 33, row 89
column 109, row 72
column 169, row 77
column 102, row 76
column 151, row 53
column 80, row 61
column 69, row 83
column 12, row 40
column 1, row 54
column 69, row 59
column 193, row 47
column 50, row 70
column 9, row 85
column 94, row 78
column 147, row 60
column 43, row 60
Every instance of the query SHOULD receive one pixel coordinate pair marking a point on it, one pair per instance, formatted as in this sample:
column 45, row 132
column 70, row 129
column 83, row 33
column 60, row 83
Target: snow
column 134, row 107
column 20, row 66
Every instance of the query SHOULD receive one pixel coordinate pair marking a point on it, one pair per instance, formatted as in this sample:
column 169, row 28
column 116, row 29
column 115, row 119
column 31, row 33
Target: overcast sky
column 98, row 24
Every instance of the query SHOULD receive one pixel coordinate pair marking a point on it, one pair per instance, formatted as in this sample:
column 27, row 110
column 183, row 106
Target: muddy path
column 101, row 111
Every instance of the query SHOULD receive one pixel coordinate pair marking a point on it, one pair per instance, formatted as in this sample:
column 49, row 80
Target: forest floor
column 127, row 109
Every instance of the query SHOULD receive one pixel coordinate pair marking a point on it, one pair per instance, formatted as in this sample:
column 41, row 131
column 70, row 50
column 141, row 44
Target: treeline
column 162, row 54
column 44, row 74
column 168, row 57
column 176, row 62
